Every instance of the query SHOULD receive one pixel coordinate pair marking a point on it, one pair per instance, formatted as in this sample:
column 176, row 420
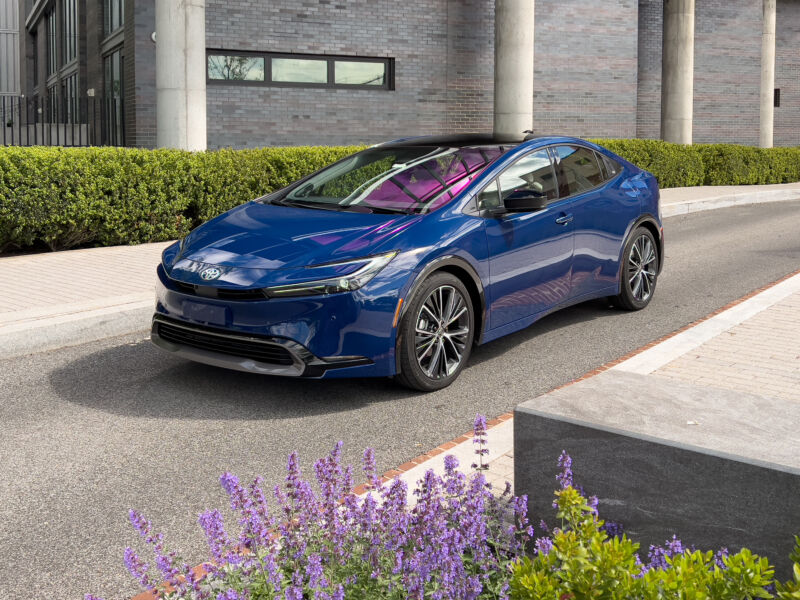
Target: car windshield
column 406, row 179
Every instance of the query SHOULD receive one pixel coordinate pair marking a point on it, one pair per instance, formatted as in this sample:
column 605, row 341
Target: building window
column 52, row 51
column 236, row 68
column 69, row 29
column 69, row 95
column 35, row 57
column 112, row 103
column 300, row 70
column 114, row 15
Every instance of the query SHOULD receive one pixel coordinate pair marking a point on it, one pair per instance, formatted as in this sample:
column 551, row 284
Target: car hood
column 257, row 243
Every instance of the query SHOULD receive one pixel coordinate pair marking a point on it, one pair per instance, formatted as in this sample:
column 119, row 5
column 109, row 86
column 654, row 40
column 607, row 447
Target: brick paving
column 760, row 356
column 57, row 283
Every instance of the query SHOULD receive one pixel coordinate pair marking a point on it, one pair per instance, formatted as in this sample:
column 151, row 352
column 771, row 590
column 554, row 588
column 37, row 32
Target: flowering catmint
column 370, row 470
column 229, row 595
column 217, row 538
column 543, row 545
column 719, row 558
column 564, row 477
column 613, row 529
column 137, row 568
column 479, row 439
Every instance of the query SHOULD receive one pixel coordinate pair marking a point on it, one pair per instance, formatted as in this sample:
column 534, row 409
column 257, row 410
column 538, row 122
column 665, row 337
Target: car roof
column 473, row 139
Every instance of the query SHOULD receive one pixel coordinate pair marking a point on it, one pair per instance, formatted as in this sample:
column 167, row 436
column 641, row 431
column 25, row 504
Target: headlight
column 334, row 285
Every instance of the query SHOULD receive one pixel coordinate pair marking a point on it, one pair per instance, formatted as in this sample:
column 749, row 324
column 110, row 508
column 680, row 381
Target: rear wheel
column 436, row 334
column 639, row 271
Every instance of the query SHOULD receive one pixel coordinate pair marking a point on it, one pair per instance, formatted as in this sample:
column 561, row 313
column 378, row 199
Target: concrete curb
column 61, row 331
column 734, row 198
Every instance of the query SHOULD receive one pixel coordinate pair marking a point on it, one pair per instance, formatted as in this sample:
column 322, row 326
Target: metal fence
column 62, row 121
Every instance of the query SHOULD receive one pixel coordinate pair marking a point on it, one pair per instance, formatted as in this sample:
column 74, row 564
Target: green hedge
column 67, row 197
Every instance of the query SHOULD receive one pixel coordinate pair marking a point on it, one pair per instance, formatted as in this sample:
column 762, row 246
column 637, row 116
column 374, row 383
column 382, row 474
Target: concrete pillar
column 513, row 67
column 767, row 74
column 181, row 74
column 677, row 71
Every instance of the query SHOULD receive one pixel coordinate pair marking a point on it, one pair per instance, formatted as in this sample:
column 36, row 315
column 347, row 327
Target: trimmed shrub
column 673, row 165
column 68, row 197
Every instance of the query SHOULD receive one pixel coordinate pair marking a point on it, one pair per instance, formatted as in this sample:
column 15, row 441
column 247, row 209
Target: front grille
column 221, row 293
column 243, row 347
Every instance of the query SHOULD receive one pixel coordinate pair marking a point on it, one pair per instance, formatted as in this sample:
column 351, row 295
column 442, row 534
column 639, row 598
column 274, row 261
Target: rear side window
column 613, row 168
column 578, row 170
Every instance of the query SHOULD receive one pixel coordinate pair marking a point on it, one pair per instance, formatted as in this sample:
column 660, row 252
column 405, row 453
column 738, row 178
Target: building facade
column 283, row 72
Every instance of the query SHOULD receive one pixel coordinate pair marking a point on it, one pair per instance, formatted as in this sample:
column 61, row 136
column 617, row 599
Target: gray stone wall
column 787, row 73
column 585, row 67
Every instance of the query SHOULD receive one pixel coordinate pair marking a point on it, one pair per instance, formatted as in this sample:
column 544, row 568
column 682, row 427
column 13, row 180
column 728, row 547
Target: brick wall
column 727, row 71
column 787, row 73
column 140, row 73
column 585, row 67
column 648, row 96
column 413, row 32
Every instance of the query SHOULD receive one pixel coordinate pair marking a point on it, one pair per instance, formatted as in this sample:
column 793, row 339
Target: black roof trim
column 463, row 139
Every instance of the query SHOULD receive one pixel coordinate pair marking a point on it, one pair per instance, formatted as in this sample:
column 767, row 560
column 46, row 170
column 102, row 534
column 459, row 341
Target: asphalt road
column 90, row 431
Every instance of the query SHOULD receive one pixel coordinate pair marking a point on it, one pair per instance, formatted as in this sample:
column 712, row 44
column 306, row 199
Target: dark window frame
column 556, row 165
column 330, row 59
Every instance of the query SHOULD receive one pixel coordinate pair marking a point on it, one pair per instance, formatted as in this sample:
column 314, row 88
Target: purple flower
column 565, row 476
column 370, row 470
column 137, row 568
column 217, row 538
column 613, row 529
column 479, row 439
column 543, row 545
column 229, row 595
column 719, row 558
column 316, row 578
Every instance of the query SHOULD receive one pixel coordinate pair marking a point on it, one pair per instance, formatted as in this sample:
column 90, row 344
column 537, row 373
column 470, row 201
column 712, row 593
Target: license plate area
column 209, row 314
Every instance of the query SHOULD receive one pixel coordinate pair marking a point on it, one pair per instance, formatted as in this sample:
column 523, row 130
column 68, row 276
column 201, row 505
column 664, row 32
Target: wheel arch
column 467, row 274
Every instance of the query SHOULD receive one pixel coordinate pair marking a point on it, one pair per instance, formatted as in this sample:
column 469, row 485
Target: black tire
column 448, row 345
column 638, row 271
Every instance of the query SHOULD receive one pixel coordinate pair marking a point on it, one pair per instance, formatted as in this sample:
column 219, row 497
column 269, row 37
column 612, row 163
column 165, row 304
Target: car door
column 602, row 212
column 530, row 253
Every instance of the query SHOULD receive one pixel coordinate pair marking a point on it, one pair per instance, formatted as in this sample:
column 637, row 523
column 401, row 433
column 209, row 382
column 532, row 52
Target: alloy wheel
column 642, row 268
column 442, row 332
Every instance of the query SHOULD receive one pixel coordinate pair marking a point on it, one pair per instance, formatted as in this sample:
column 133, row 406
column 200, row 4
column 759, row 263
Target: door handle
column 564, row 219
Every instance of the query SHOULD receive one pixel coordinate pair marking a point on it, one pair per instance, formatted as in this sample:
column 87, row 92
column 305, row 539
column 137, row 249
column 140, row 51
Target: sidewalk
column 76, row 296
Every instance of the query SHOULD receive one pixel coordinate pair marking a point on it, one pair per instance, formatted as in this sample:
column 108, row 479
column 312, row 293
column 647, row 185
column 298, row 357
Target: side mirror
column 525, row 201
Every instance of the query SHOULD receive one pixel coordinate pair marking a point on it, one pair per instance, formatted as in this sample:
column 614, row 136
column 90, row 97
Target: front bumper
column 253, row 354
column 340, row 335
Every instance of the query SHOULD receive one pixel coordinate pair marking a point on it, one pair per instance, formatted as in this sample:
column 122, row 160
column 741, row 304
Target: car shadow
column 137, row 379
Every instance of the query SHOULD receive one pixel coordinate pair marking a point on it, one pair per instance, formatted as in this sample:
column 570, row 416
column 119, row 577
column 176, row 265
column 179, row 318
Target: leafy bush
column 67, row 197
column 673, row 165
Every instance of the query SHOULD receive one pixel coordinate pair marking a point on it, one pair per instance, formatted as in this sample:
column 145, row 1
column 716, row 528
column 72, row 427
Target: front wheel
column 639, row 271
column 436, row 334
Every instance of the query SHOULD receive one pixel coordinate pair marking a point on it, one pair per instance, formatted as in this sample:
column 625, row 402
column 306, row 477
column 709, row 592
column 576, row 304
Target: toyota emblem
column 210, row 274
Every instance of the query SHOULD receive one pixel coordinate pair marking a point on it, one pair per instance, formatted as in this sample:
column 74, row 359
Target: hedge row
column 675, row 165
column 67, row 197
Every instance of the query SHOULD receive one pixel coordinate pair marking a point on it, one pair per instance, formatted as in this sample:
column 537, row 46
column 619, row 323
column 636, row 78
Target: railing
column 62, row 121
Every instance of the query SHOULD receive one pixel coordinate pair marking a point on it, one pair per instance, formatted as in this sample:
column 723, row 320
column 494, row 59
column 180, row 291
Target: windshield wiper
column 307, row 204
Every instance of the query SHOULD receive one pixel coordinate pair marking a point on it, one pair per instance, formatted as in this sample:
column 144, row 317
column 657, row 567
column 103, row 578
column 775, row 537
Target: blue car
column 397, row 260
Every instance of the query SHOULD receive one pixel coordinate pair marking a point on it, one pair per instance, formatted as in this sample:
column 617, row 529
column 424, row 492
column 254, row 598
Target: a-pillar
column 513, row 67
column 677, row 71
column 767, row 74
column 181, row 74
